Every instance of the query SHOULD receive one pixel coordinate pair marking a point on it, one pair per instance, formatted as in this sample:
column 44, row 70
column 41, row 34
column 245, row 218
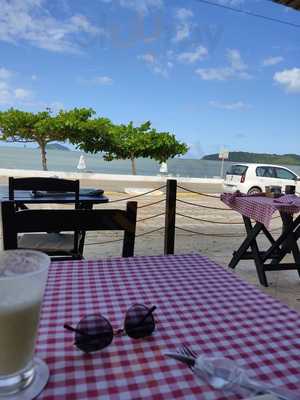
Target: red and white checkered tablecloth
column 259, row 208
column 198, row 303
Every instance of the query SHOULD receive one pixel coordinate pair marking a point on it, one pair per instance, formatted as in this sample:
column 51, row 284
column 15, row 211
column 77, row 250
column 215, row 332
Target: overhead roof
column 290, row 3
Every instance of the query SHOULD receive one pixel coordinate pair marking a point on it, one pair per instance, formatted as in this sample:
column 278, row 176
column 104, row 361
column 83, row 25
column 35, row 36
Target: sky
column 213, row 77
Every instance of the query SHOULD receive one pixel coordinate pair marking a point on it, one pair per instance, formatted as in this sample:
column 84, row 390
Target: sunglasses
column 94, row 332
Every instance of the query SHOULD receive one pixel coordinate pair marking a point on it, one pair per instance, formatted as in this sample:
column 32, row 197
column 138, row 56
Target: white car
column 253, row 178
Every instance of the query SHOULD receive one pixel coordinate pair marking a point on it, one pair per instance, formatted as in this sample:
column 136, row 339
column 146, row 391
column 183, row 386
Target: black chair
column 36, row 184
column 24, row 221
column 55, row 244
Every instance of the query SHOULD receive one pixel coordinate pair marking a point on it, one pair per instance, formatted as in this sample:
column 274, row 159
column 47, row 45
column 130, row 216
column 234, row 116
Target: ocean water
column 28, row 158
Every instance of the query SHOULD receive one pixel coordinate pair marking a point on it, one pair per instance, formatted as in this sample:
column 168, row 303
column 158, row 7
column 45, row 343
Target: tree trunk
column 43, row 155
column 133, row 166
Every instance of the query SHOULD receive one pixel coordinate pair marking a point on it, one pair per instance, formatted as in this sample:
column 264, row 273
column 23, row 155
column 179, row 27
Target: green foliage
column 259, row 158
column 90, row 134
column 44, row 127
column 127, row 142
column 164, row 145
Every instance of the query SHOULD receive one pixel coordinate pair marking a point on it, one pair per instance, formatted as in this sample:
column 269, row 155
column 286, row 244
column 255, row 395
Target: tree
column 126, row 142
column 45, row 127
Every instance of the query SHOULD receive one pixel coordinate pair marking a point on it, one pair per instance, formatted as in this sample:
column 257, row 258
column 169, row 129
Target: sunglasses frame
column 117, row 332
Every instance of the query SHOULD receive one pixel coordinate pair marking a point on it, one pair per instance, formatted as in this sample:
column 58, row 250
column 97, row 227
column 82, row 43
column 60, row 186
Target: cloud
column 183, row 14
column 148, row 58
column 190, row 57
column 142, row 7
column 267, row 62
column 239, row 105
column 103, row 80
column 9, row 94
column 231, row 3
column 157, row 65
column 235, row 60
column 195, row 150
column 214, row 74
column 237, row 69
column 97, row 81
column 5, row 73
column 22, row 94
column 289, row 79
column 29, row 21
column 183, row 25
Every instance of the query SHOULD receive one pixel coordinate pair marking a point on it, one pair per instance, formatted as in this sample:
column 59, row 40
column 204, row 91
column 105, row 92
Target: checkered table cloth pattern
column 198, row 303
column 259, row 208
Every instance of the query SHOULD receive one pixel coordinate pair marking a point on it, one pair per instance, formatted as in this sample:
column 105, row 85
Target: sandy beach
column 283, row 285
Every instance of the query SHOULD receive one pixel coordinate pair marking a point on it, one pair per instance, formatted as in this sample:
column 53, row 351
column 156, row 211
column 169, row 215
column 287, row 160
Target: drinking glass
column 23, row 276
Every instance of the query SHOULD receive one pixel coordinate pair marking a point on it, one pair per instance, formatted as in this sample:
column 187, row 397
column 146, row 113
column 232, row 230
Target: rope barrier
column 201, row 205
column 149, row 232
column 152, row 204
column 108, row 241
column 153, row 216
column 200, row 194
column 208, row 234
column 212, row 222
column 119, row 240
column 138, row 195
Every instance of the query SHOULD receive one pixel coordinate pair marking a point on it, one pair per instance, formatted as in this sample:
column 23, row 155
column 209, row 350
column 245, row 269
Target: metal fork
column 217, row 382
column 185, row 350
column 259, row 388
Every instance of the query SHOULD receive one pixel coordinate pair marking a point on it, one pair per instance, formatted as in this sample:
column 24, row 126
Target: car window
column 237, row 170
column 282, row 173
column 266, row 172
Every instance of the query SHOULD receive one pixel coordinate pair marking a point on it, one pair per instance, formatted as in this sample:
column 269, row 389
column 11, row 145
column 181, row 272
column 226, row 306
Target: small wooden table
column 261, row 209
column 26, row 197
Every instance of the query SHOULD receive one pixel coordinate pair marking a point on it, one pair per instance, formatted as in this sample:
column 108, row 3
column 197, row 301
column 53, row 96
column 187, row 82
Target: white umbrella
column 81, row 163
column 163, row 168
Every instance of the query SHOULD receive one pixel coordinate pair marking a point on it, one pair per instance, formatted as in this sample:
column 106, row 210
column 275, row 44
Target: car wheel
column 254, row 190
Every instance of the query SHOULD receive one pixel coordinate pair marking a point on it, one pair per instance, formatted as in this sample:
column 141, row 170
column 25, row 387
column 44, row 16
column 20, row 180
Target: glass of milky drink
column 23, row 276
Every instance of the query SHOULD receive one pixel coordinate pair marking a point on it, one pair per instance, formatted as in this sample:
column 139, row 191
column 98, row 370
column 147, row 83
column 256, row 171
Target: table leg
column 291, row 243
column 268, row 235
column 255, row 251
column 237, row 255
column 287, row 241
column 83, row 206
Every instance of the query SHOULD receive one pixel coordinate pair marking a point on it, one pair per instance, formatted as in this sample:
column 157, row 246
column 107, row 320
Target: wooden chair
column 55, row 244
column 36, row 184
column 25, row 221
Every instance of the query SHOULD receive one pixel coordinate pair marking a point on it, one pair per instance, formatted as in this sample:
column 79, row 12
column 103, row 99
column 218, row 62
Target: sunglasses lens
column 136, row 325
column 94, row 333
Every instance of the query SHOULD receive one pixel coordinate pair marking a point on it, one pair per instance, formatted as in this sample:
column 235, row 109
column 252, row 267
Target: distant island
column 259, row 158
column 57, row 146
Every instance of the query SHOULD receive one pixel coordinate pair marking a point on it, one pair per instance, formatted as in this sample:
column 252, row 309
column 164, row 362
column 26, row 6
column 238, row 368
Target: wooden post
column 170, row 217
column 10, row 236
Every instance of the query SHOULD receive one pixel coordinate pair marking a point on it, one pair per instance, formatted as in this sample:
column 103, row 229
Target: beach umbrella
column 163, row 168
column 81, row 163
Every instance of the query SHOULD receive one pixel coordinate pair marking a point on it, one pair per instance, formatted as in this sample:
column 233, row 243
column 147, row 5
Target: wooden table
column 198, row 303
column 261, row 209
column 26, row 197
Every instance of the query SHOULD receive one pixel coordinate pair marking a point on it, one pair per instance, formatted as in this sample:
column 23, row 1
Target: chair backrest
column 43, row 184
column 14, row 222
